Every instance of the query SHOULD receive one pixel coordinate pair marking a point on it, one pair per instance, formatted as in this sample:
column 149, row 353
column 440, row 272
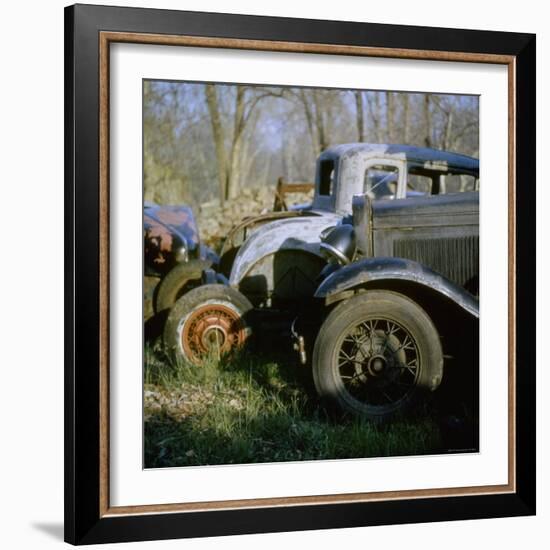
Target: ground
column 253, row 408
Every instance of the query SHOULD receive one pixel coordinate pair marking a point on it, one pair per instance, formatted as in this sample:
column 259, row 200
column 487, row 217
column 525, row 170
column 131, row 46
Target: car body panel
column 260, row 255
column 369, row 270
column 166, row 229
column 170, row 237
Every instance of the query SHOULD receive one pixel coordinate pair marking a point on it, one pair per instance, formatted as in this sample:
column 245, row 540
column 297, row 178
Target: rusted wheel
column 207, row 322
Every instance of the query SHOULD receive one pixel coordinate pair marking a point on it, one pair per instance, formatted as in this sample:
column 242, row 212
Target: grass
column 254, row 408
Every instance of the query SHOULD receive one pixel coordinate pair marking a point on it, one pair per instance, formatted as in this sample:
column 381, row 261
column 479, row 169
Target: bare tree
column 373, row 102
column 309, row 104
column 390, row 116
column 318, row 108
column 406, row 117
column 427, row 120
column 219, row 138
column 360, row 109
column 164, row 176
column 208, row 141
column 228, row 138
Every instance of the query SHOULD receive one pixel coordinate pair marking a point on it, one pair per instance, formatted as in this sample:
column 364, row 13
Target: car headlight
column 339, row 243
column 182, row 253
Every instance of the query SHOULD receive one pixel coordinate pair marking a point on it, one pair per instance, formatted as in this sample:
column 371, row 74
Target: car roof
column 410, row 153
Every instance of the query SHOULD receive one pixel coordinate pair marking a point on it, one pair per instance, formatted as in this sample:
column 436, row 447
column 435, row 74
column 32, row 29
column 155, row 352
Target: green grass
column 252, row 409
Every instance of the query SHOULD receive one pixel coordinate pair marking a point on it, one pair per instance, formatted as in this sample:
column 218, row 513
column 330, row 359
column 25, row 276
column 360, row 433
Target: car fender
column 336, row 286
column 300, row 233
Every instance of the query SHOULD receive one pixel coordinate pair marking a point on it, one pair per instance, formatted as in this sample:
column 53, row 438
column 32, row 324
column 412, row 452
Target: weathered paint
column 427, row 156
column 300, row 233
column 453, row 209
column 158, row 241
column 241, row 231
column 394, row 269
column 438, row 231
column 166, row 229
column 255, row 257
column 353, row 159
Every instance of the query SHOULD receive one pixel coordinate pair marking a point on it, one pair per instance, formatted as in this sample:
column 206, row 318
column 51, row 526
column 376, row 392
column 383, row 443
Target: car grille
column 456, row 258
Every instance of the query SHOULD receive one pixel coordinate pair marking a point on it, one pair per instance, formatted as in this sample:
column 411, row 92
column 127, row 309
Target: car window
column 422, row 180
column 326, row 177
column 418, row 184
column 381, row 182
column 458, row 183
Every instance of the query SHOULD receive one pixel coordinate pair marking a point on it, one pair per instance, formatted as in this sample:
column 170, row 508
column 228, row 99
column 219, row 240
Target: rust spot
column 212, row 329
column 166, row 228
column 158, row 241
column 180, row 218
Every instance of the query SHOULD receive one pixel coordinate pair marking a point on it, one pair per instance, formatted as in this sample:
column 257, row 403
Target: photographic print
column 310, row 273
column 290, row 304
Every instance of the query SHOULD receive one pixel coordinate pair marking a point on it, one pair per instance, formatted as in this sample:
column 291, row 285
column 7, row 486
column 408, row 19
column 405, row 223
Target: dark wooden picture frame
column 89, row 31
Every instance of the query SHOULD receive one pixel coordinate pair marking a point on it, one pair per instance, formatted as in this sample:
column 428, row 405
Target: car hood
column 168, row 227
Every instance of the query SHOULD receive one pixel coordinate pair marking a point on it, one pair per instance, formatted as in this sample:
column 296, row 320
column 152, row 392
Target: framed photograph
column 300, row 274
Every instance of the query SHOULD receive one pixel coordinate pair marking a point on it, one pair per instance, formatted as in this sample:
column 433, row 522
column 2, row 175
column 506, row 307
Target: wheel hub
column 212, row 330
column 376, row 365
column 214, row 337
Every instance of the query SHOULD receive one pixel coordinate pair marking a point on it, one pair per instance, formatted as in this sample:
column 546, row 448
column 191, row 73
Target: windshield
column 381, row 182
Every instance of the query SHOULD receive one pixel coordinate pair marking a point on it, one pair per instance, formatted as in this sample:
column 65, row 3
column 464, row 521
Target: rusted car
column 394, row 308
column 275, row 259
column 174, row 258
column 277, row 267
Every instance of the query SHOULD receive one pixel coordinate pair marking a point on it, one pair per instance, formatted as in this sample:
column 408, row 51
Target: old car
column 275, row 259
column 401, row 297
column 277, row 266
column 174, row 258
column 397, row 306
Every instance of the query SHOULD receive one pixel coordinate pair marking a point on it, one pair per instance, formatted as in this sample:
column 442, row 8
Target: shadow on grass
column 261, row 406
column 242, row 439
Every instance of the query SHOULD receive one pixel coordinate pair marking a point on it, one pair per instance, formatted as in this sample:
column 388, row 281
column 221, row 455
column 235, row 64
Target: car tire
column 209, row 321
column 375, row 354
column 178, row 280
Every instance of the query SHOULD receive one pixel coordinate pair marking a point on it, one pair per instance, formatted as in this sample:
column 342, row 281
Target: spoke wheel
column 378, row 362
column 375, row 353
column 207, row 322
